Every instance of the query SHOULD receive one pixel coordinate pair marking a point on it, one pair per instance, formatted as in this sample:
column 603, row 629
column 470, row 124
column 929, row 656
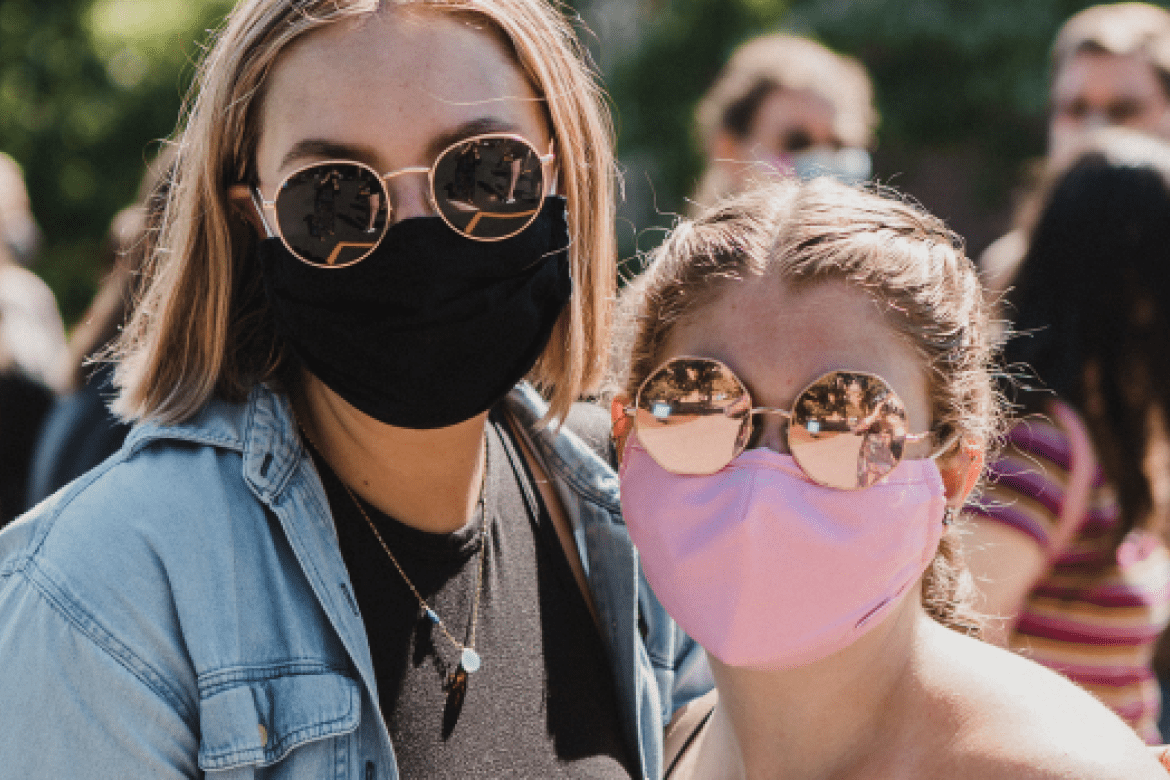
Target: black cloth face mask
column 432, row 328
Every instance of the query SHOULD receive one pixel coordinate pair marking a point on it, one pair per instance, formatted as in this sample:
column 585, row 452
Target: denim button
column 263, row 734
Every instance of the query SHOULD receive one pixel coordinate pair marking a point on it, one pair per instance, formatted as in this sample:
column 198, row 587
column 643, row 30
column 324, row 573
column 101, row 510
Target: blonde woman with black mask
column 342, row 540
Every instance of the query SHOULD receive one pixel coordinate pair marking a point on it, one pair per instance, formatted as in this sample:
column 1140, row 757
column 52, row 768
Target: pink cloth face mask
column 768, row 570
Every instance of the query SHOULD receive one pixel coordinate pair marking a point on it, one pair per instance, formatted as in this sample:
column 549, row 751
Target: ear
column 242, row 202
column 960, row 473
column 622, row 423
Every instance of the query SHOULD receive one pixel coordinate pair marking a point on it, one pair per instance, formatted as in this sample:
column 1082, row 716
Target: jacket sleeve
column 76, row 703
column 680, row 664
column 692, row 674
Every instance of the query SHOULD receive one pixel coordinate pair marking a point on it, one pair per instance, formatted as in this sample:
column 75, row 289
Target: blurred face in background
column 787, row 122
column 1097, row 89
column 794, row 131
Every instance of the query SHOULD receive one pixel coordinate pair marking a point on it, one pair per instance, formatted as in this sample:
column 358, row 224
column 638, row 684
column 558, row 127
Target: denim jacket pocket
column 262, row 721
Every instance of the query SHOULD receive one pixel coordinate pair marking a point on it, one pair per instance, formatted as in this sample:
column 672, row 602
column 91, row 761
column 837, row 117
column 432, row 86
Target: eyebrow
column 324, row 148
column 480, row 126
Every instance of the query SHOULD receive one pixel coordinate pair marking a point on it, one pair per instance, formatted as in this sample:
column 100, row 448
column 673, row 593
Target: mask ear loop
column 623, row 423
column 950, row 513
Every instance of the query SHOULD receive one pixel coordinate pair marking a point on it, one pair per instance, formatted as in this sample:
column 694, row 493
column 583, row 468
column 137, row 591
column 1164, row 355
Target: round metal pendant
column 469, row 660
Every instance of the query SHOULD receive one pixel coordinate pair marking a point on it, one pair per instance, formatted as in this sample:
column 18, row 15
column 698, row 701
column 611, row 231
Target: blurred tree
column 86, row 86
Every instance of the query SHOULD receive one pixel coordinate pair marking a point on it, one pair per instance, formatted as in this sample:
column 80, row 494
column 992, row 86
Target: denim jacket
column 183, row 610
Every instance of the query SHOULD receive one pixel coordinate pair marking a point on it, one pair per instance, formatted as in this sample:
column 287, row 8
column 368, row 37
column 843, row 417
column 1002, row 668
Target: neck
column 426, row 479
column 827, row 719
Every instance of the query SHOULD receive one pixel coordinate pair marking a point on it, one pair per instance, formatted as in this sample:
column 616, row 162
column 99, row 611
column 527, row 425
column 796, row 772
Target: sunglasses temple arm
column 554, row 179
column 260, row 204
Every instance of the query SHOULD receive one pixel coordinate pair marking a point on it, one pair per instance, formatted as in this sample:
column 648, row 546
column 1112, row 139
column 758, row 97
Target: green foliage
column 85, row 88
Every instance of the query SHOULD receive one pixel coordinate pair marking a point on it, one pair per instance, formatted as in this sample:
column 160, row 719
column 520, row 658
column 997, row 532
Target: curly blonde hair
column 908, row 261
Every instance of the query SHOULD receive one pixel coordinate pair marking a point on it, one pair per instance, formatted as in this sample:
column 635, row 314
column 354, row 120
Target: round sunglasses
column 334, row 213
column 846, row 429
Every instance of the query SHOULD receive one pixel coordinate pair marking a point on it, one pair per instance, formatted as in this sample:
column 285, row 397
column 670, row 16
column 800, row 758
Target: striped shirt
column 1096, row 614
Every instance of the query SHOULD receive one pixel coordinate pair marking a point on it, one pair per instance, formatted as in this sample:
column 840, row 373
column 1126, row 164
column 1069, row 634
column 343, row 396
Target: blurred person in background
column 30, row 324
column 24, row 404
column 19, row 231
column 1063, row 541
column 1110, row 67
column 785, row 104
column 32, row 341
column 80, row 431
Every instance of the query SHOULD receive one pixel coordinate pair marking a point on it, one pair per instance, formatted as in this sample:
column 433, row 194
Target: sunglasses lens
column 691, row 416
column 489, row 188
column 847, row 430
column 332, row 214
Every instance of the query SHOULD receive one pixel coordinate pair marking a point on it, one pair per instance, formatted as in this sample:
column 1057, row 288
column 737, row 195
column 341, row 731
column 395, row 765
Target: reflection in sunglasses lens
column 847, row 429
column 691, row 416
column 489, row 188
column 332, row 214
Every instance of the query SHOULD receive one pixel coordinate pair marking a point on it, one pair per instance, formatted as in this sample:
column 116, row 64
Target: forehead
column 393, row 79
column 778, row 340
column 786, row 109
column 1105, row 76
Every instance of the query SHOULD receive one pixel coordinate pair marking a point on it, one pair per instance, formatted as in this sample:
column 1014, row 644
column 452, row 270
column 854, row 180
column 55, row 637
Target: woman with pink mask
column 807, row 406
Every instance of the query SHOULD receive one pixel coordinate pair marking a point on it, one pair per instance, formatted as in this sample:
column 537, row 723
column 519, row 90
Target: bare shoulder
column 1007, row 717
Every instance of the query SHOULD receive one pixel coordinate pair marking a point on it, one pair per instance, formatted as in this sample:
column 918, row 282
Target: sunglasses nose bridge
column 768, row 423
column 408, row 192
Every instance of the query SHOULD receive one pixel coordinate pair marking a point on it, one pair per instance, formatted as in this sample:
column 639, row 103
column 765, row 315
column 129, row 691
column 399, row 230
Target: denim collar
column 264, row 430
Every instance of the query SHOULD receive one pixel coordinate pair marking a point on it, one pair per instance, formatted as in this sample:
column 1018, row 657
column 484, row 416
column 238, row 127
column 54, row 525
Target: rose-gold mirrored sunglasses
column 846, row 430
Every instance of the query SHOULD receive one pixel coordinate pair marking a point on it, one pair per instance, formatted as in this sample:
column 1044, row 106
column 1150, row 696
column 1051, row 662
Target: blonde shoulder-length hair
column 203, row 329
